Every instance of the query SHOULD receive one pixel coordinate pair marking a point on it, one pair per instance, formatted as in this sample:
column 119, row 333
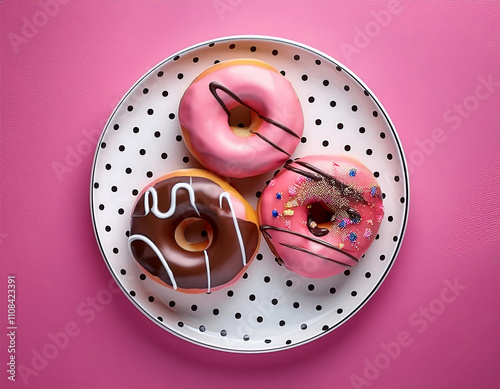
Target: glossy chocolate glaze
column 190, row 268
column 215, row 86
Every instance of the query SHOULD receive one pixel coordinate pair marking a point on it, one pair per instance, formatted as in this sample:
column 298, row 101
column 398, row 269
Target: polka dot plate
column 270, row 308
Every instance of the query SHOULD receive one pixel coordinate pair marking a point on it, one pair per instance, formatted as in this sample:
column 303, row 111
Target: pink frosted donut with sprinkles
column 240, row 118
column 320, row 214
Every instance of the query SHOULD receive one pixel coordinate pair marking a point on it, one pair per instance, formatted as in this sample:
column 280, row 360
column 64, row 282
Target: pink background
column 435, row 66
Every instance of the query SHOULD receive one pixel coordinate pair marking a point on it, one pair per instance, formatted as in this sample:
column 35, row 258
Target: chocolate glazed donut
column 161, row 220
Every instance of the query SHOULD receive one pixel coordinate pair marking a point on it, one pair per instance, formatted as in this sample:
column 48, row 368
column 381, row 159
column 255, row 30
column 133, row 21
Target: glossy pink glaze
column 293, row 192
column 205, row 127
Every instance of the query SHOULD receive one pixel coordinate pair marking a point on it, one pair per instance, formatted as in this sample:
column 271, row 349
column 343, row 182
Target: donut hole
column 319, row 218
column 243, row 120
column 194, row 234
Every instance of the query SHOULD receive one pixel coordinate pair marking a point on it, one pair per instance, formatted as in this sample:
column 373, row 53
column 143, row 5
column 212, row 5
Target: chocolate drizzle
column 214, row 86
column 268, row 237
column 317, row 174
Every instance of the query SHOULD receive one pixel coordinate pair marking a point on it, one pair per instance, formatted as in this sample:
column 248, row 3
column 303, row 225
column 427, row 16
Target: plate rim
column 403, row 161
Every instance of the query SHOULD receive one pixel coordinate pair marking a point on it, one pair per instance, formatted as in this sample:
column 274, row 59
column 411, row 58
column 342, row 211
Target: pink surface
column 436, row 68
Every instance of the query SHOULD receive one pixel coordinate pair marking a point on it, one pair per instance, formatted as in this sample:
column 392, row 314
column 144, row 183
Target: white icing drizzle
column 207, row 264
column 157, row 252
column 235, row 221
column 170, row 212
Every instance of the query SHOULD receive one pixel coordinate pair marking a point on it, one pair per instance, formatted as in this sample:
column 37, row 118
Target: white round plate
column 270, row 308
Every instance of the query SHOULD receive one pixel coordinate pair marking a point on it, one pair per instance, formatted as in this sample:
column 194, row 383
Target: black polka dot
column 132, row 293
column 325, row 328
column 333, row 103
column 142, row 151
column 149, row 174
column 135, row 130
column 332, row 290
column 108, row 166
column 267, row 279
column 347, row 147
column 326, row 82
column 194, row 307
column 246, row 337
column 176, row 57
column 223, row 333
column 123, row 272
column 142, row 276
column 289, row 283
column 101, row 207
column 130, row 108
column 216, row 62
column 164, row 93
column 164, row 155
column 346, row 88
column 369, row 151
column 389, row 156
column 319, row 307
column 171, row 115
column 150, row 111
column 377, row 237
column 232, row 46
column 382, row 135
column 127, row 233
column 260, row 319
column 135, row 192
column 244, row 276
column 366, row 93
column 180, row 324
column 402, row 200
column 253, row 49
column 160, row 318
column 121, row 148
column 368, row 274
column 383, row 195
column 230, row 293
column 396, row 178
column 375, row 113
column 318, row 122
column 195, row 59
column 114, row 188
column 339, row 69
column 237, row 315
column 296, row 57
column 251, row 297
column 340, row 310
column 282, row 323
column 325, row 143
column 303, row 139
column 304, row 77
column 259, row 257
column 145, row 91
column 390, row 218
column 296, row 305
column 107, row 228
column 96, row 185
column 202, row 328
column 282, row 72
column 303, row 326
column 317, row 62
column 354, row 108
column 185, row 159
column 121, row 211
column 382, row 257
column 274, row 301
column 376, row 174
column 116, row 126
column 178, row 138
column 275, row 52
column 115, row 250
column 258, row 193
column 180, row 76
column 171, row 303
column 340, row 126
column 215, row 311
column 311, row 99
column 157, row 134
column 310, row 287
column 103, row 145
column 211, row 44
column 151, row 299
column 395, row 238
column 267, row 341
column 354, row 293
column 347, row 272
column 288, row 341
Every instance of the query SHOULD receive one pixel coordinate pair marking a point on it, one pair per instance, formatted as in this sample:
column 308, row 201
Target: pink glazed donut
column 241, row 118
column 320, row 214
